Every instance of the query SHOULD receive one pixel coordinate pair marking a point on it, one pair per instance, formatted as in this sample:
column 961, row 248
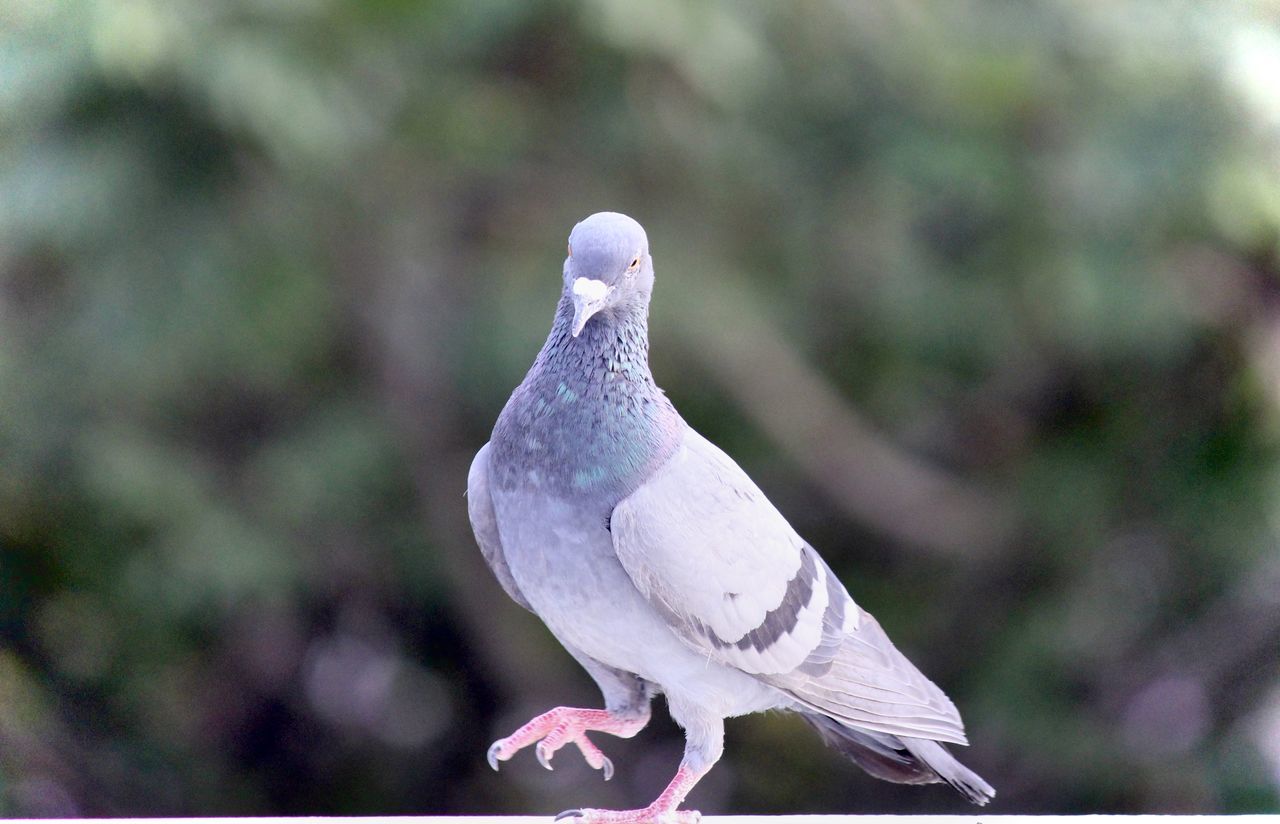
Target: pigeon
column 663, row 569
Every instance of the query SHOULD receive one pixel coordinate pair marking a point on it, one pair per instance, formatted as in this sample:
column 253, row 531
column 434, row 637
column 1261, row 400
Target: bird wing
column 484, row 523
column 735, row 581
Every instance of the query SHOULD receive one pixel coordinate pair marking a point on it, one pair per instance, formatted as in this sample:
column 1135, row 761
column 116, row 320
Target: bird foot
column 565, row 725
column 648, row 815
column 661, row 811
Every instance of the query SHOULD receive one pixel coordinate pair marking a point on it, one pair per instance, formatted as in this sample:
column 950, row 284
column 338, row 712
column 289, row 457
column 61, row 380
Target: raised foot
column 560, row 726
column 643, row 816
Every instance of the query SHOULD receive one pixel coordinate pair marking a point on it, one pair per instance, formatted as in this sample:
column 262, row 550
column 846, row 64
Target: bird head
column 608, row 266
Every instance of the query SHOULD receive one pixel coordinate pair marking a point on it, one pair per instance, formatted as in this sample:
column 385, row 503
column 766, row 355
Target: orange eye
column 633, row 265
column 570, row 249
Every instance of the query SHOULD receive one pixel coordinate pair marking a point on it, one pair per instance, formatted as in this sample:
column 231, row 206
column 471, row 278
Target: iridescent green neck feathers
column 588, row 423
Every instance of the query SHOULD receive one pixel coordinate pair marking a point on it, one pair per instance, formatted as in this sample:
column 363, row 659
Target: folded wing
column 737, row 583
column 485, row 525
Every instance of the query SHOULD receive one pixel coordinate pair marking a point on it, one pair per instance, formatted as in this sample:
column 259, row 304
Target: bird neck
column 588, row 422
column 613, row 347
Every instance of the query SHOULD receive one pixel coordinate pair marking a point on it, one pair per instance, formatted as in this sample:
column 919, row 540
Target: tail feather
column 900, row 759
column 941, row 761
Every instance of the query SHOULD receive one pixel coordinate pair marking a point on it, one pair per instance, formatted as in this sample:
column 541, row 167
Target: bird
column 662, row 568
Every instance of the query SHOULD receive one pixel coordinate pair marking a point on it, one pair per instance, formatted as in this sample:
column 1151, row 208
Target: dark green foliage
column 1004, row 277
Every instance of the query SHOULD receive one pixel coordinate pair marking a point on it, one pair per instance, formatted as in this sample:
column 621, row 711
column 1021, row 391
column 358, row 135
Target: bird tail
column 901, row 759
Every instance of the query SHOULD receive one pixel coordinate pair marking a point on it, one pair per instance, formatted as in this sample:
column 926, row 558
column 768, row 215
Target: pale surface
column 717, row 819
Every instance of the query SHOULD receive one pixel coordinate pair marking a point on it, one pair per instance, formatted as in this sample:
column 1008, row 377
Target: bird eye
column 633, row 265
column 570, row 250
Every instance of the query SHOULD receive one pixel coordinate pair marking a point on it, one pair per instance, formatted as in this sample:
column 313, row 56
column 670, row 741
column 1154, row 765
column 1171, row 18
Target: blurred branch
column 1229, row 649
column 872, row 480
column 408, row 313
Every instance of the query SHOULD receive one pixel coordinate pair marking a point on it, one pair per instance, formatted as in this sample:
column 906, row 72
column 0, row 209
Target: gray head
column 608, row 267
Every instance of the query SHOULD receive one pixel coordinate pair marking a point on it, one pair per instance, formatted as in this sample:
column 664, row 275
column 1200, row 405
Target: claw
column 569, row 814
column 556, row 728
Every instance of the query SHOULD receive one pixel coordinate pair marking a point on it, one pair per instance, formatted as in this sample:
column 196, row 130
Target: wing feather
column 737, row 583
column 484, row 523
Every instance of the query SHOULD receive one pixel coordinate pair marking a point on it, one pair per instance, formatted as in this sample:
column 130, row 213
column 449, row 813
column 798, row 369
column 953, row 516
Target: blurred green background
column 984, row 294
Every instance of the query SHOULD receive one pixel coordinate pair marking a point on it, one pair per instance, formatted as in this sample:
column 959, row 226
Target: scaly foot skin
column 565, row 725
column 645, row 816
column 661, row 811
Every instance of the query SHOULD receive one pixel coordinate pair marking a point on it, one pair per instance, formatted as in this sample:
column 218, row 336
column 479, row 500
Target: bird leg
column 661, row 811
column 568, row 725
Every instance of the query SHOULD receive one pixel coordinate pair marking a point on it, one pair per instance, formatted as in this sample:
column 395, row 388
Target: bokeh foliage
column 984, row 295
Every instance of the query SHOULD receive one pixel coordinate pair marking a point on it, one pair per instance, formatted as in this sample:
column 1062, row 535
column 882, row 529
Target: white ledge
column 976, row 818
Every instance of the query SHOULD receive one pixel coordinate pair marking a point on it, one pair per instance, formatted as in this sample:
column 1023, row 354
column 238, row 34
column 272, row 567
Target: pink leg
column 662, row 810
column 567, row 725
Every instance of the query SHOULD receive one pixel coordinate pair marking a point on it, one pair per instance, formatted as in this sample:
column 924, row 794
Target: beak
column 589, row 297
